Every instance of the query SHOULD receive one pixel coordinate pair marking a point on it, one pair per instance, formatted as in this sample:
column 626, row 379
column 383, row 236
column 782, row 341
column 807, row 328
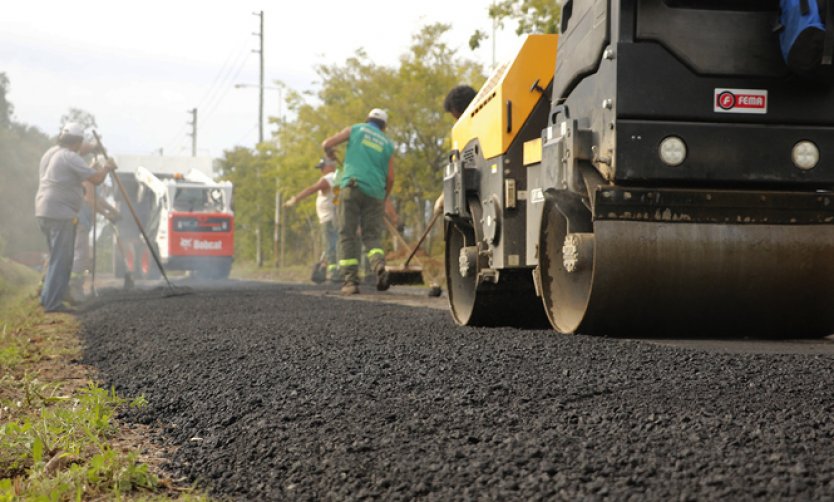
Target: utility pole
column 277, row 227
column 260, row 52
column 193, row 134
column 259, row 259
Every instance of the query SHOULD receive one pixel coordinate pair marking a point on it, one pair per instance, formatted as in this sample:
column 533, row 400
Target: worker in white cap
column 367, row 179
column 57, row 203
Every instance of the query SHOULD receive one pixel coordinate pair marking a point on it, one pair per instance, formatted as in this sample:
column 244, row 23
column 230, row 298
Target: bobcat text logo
column 208, row 245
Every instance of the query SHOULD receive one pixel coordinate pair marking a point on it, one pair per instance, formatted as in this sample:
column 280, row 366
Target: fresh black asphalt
column 268, row 394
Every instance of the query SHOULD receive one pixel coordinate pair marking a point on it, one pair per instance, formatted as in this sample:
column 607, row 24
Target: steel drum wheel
column 695, row 280
column 462, row 290
column 565, row 295
column 510, row 302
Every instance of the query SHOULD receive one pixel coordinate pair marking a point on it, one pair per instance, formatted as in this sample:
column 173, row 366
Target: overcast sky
column 139, row 66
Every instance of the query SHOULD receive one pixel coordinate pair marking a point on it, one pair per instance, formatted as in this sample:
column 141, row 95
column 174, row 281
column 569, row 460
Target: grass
column 432, row 265
column 57, row 427
column 290, row 273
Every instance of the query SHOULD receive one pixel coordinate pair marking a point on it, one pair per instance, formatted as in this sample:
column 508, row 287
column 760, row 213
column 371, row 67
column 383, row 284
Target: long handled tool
column 93, row 291
column 434, row 218
column 171, row 291
column 400, row 274
column 407, row 274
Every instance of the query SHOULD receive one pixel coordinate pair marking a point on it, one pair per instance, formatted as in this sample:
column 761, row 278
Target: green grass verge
column 55, row 433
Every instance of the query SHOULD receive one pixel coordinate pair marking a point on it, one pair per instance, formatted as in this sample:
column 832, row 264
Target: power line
column 226, row 90
column 222, row 76
column 250, row 131
column 227, row 79
column 223, row 70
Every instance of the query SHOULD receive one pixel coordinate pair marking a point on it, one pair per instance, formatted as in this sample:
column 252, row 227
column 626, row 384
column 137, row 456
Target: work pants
column 330, row 242
column 83, row 256
column 358, row 211
column 60, row 238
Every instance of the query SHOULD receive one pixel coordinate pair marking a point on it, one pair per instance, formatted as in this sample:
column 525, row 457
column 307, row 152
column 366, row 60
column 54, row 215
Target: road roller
column 655, row 170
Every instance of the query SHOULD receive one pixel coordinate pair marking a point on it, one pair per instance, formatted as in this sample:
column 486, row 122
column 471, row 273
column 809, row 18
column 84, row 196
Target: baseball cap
column 323, row 162
column 73, row 129
column 379, row 114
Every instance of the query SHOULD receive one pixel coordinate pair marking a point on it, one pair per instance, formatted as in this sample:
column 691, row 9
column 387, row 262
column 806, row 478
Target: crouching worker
column 325, row 188
column 365, row 185
column 83, row 260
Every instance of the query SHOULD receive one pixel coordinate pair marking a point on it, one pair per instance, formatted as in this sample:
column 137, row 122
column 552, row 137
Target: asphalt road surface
column 277, row 392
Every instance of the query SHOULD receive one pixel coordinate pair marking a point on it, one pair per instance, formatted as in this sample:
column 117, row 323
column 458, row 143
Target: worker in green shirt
column 367, row 179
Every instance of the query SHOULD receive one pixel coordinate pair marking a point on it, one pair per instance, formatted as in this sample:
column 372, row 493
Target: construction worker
column 366, row 183
column 456, row 102
column 82, row 256
column 325, row 188
column 57, row 202
column 458, row 99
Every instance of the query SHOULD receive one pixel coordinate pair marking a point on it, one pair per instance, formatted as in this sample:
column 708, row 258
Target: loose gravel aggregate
column 269, row 394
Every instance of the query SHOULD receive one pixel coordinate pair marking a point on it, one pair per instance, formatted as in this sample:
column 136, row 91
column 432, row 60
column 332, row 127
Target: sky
column 139, row 67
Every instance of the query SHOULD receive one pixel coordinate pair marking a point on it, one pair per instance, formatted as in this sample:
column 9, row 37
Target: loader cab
column 199, row 199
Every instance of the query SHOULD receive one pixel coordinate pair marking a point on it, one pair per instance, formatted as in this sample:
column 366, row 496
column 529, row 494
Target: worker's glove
column 110, row 165
column 438, row 204
column 291, row 202
column 114, row 216
column 88, row 148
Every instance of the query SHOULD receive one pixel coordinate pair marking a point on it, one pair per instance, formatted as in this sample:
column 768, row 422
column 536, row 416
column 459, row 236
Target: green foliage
column 54, row 441
column 63, row 451
column 412, row 92
column 531, row 16
column 83, row 117
column 6, row 108
column 14, row 280
column 254, row 182
column 21, row 148
column 16, row 284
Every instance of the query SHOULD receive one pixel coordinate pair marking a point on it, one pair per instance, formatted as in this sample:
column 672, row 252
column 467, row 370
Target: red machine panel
column 201, row 234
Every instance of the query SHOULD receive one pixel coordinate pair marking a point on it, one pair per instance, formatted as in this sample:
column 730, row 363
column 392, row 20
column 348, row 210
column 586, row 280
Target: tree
column 21, row 147
column 412, row 92
column 6, row 108
column 531, row 16
column 249, row 171
column 85, row 118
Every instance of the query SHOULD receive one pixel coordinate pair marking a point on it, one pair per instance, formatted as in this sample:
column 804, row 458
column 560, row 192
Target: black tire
column 215, row 271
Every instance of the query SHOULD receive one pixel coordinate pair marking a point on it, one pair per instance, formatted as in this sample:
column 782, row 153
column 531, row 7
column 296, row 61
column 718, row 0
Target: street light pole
column 260, row 52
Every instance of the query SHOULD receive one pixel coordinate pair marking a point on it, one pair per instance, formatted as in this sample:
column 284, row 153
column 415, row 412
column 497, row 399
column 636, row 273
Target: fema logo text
column 740, row 101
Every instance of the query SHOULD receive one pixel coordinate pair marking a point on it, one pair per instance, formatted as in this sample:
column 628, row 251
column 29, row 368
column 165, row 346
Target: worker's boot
column 383, row 281
column 350, row 275
column 350, row 288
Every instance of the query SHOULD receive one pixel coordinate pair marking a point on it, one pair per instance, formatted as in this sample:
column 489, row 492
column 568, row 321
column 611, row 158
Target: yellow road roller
column 654, row 170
